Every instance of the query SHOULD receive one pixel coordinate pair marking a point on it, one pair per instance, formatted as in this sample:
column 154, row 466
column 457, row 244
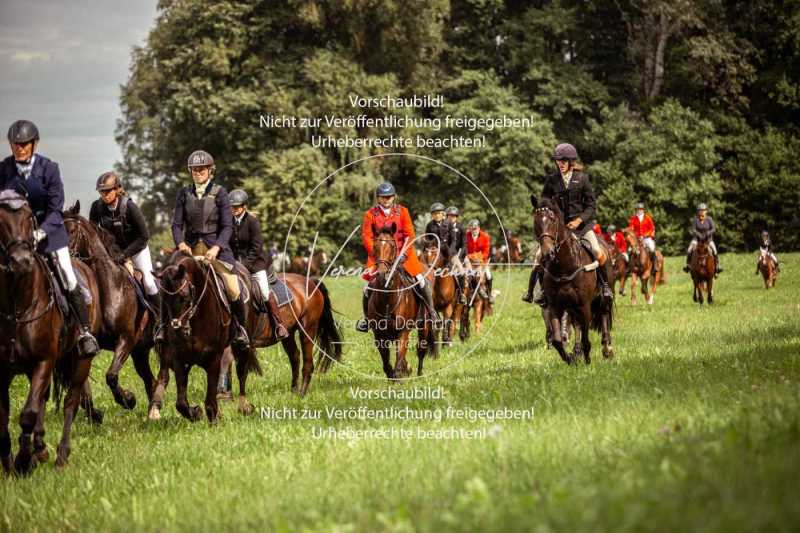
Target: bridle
column 387, row 262
column 189, row 309
column 80, row 242
column 547, row 212
column 5, row 252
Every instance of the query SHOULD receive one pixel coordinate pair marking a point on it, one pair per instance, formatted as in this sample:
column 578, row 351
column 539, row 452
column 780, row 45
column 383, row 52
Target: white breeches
column 143, row 262
column 260, row 277
column 65, row 264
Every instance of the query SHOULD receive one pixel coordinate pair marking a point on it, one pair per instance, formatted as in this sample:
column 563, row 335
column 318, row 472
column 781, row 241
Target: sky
column 62, row 65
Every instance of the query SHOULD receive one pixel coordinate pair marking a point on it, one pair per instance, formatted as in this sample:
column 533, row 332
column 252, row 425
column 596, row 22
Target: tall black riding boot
column 605, row 290
column 462, row 295
column 538, row 296
column 160, row 330
column 717, row 266
column 528, row 296
column 653, row 261
column 489, row 290
column 688, row 262
column 428, row 294
column 362, row 324
column 240, row 336
column 275, row 313
column 87, row 344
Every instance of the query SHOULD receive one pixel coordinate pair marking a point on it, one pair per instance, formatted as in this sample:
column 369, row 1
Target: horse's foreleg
column 39, row 447
column 290, row 347
column 6, row 457
column 556, row 338
column 158, row 393
column 633, row 287
column 141, row 362
column 78, row 378
column 124, row 398
column 192, row 413
column 242, row 357
column 401, row 369
column 212, row 383
column 40, row 381
column 608, row 350
column 307, row 342
column 383, row 348
column 586, row 320
column 710, row 288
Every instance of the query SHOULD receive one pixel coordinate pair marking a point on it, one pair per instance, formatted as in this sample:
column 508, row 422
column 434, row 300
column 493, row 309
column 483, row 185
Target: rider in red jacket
column 478, row 245
column 644, row 228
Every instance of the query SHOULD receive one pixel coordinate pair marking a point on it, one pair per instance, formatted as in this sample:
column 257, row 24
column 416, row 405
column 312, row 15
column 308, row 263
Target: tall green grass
column 695, row 424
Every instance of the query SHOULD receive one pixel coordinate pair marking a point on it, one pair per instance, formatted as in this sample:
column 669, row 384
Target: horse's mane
column 549, row 203
column 104, row 235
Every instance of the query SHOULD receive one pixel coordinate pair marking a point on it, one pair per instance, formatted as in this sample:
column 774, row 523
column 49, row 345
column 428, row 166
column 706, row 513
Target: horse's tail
column 329, row 335
column 62, row 377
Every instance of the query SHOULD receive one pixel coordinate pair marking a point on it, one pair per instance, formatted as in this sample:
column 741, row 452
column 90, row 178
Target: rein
column 388, row 264
column 18, row 319
column 188, row 313
column 546, row 211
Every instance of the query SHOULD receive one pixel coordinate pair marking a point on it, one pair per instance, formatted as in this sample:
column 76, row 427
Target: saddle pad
column 281, row 291
column 140, row 296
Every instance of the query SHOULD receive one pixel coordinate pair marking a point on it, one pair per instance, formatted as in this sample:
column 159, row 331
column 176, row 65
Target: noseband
column 189, row 309
column 547, row 212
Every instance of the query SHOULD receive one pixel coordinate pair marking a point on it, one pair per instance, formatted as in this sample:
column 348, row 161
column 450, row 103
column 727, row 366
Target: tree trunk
column 662, row 34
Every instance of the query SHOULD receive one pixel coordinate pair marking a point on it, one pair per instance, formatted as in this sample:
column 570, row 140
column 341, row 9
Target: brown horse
column 126, row 327
column 476, row 294
column 198, row 329
column 37, row 340
column 392, row 310
column 444, row 292
column 310, row 316
column 766, row 265
column 640, row 267
column 702, row 269
column 568, row 286
column 301, row 265
column 620, row 267
column 508, row 254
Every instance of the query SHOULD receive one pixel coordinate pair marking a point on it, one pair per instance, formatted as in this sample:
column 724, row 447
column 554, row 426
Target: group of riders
column 211, row 223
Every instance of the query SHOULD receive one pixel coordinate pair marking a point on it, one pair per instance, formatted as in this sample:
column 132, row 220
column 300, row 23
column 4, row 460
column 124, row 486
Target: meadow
column 694, row 425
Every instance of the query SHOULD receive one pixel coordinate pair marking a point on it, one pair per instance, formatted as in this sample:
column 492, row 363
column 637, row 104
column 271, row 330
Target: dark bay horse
column 568, row 286
column 620, row 267
column 702, row 269
column 640, row 267
column 393, row 310
column 508, row 254
column 444, row 292
column 310, row 317
column 126, row 327
column 35, row 339
column 766, row 265
column 198, row 329
column 302, row 265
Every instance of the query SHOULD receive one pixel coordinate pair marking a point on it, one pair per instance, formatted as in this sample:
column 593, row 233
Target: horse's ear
column 534, row 202
column 75, row 209
column 394, row 228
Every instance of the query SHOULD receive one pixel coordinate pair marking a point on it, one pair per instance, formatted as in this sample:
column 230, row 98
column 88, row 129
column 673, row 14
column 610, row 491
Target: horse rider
column 439, row 229
column 458, row 250
column 38, row 179
column 617, row 239
column 202, row 226
column 570, row 188
column 386, row 212
column 703, row 229
column 478, row 245
column 766, row 249
column 117, row 213
column 247, row 246
column 644, row 228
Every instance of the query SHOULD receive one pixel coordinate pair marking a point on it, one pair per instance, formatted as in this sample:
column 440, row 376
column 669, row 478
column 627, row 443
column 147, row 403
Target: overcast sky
column 62, row 63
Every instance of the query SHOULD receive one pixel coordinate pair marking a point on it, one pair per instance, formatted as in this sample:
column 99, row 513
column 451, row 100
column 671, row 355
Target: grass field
column 695, row 424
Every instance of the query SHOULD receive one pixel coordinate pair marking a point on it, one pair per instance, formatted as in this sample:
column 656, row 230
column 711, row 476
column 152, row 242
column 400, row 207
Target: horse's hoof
column 62, row 458
column 96, row 416
column 42, row 456
column 196, row 412
column 128, row 400
column 246, row 408
column 608, row 352
column 24, row 465
column 154, row 414
column 8, row 464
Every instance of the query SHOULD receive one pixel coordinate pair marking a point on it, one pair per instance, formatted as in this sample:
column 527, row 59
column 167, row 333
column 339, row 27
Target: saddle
column 59, row 285
column 141, row 297
column 278, row 291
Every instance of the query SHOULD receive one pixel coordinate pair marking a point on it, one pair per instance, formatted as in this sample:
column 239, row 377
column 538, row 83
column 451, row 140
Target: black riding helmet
column 23, row 131
column 101, row 182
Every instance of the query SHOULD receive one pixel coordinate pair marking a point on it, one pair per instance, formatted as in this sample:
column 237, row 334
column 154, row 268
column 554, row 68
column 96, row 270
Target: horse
column 301, row 265
column 702, row 269
column 444, row 291
column 37, row 339
column 392, row 309
column 310, row 316
column 126, row 327
column 198, row 329
column 641, row 267
column 569, row 286
column 508, row 254
column 766, row 265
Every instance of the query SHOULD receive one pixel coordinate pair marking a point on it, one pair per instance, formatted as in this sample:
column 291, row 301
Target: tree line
column 670, row 102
